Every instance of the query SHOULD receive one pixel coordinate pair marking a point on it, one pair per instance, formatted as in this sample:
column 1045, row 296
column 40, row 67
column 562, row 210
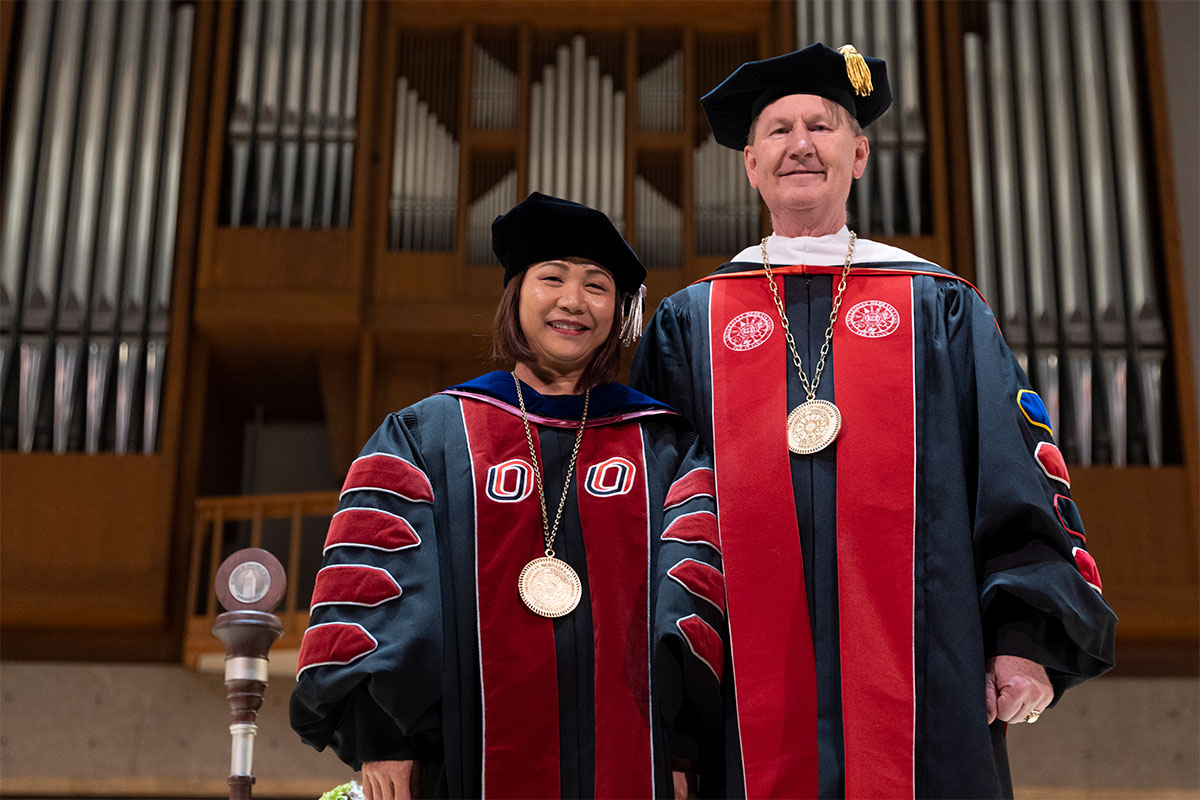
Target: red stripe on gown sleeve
column 334, row 643
column 1050, row 458
column 369, row 527
column 518, row 665
column 616, row 536
column 700, row 481
column 391, row 474
column 703, row 580
column 873, row 388
column 704, row 642
column 699, row 527
column 770, row 633
column 354, row 584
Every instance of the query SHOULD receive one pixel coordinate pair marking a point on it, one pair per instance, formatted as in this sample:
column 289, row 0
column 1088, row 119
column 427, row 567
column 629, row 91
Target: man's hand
column 390, row 780
column 1015, row 686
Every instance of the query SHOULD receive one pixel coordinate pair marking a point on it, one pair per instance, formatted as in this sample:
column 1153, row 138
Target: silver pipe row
column 1061, row 231
column 89, row 235
column 424, row 196
column 491, row 204
column 890, row 196
column 577, row 133
column 293, row 123
column 659, row 223
column 660, row 96
column 726, row 206
column 493, row 92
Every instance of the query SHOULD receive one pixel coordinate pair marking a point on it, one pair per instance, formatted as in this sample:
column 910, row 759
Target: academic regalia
column 868, row 583
column 420, row 647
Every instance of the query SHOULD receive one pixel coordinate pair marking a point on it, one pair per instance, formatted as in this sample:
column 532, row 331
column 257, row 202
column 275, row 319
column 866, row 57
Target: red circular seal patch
column 873, row 319
column 748, row 330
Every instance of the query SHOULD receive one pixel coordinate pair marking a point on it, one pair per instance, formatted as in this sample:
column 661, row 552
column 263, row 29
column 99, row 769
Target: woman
column 522, row 593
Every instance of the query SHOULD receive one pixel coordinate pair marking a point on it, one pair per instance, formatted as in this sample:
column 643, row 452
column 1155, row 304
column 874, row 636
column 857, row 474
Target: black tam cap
column 543, row 228
column 858, row 84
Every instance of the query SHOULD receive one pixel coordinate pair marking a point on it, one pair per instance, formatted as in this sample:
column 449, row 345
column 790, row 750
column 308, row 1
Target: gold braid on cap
column 857, row 70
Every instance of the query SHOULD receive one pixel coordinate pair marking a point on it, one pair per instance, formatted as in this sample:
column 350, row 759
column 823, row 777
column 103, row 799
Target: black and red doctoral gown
column 867, row 584
column 420, row 647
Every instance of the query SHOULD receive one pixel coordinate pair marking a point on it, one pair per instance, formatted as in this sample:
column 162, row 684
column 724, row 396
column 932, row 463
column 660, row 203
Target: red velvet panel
column 390, row 474
column 702, row 580
column 334, row 643
column 616, row 535
column 700, row 481
column 873, row 388
column 354, row 584
column 369, row 527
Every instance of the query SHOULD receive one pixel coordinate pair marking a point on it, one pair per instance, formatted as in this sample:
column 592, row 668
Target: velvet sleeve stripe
column 384, row 472
column 1087, row 568
column 704, row 642
column 1050, row 459
column 354, row 585
column 1068, row 515
column 700, row 482
column 372, row 528
column 702, row 580
column 334, row 644
column 699, row 527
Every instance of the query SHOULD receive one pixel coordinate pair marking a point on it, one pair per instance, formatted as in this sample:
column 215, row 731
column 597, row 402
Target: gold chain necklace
column 814, row 424
column 548, row 586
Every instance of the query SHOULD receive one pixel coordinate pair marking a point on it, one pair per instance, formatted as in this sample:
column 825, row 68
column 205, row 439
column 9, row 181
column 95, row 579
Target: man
column 905, row 570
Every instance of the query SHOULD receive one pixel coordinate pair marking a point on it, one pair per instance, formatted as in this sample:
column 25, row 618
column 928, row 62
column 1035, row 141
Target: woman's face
column 566, row 309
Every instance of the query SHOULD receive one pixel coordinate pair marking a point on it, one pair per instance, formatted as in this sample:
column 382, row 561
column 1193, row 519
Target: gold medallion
column 549, row 587
column 812, row 426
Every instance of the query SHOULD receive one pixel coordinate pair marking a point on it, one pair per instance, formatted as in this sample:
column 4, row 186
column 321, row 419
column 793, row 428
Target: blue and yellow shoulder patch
column 1034, row 409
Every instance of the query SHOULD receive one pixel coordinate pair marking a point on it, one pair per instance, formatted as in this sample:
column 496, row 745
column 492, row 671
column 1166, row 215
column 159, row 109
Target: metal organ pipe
column 1100, row 215
column 137, row 263
column 83, row 220
column 1035, row 201
column 1147, row 329
column 21, row 173
column 1069, row 247
column 50, row 205
column 98, row 201
column 293, row 109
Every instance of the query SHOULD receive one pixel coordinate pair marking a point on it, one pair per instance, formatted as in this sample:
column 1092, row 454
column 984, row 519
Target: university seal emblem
column 748, row 330
column 873, row 319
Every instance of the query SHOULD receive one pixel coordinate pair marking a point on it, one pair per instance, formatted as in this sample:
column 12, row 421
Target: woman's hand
column 390, row 780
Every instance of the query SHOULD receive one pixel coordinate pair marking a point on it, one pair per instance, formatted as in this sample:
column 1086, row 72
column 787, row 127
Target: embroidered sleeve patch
column 334, row 644
column 702, row 580
column 1087, row 568
column 699, row 482
column 370, row 527
column 1034, row 409
column 387, row 473
column 1050, row 459
column 696, row 528
column 1068, row 515
column 354, row 585
column 704, row 642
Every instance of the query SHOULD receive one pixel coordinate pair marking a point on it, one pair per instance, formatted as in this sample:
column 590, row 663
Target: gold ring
column 1032, row 716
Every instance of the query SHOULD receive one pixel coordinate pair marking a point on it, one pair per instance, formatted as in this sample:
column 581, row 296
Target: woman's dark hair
column 510, row 346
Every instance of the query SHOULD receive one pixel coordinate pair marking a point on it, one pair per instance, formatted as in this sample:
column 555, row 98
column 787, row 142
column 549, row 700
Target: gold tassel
column 857, row 70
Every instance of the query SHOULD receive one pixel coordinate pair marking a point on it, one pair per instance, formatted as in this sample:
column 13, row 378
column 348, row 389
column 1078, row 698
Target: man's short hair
column 509, row 345
column 835, row 108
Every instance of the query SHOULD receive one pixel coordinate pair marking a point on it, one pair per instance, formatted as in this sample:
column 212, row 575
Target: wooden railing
column 213, row 541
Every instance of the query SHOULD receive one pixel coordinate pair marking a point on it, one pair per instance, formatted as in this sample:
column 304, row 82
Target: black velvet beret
column 543, row 228
column 817, row 69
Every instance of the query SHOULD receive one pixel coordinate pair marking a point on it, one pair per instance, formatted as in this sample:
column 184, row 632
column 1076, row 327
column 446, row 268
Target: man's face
column 804, row 156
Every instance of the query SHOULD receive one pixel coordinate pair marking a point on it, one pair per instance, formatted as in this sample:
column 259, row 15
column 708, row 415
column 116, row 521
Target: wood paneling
column 86, row 539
